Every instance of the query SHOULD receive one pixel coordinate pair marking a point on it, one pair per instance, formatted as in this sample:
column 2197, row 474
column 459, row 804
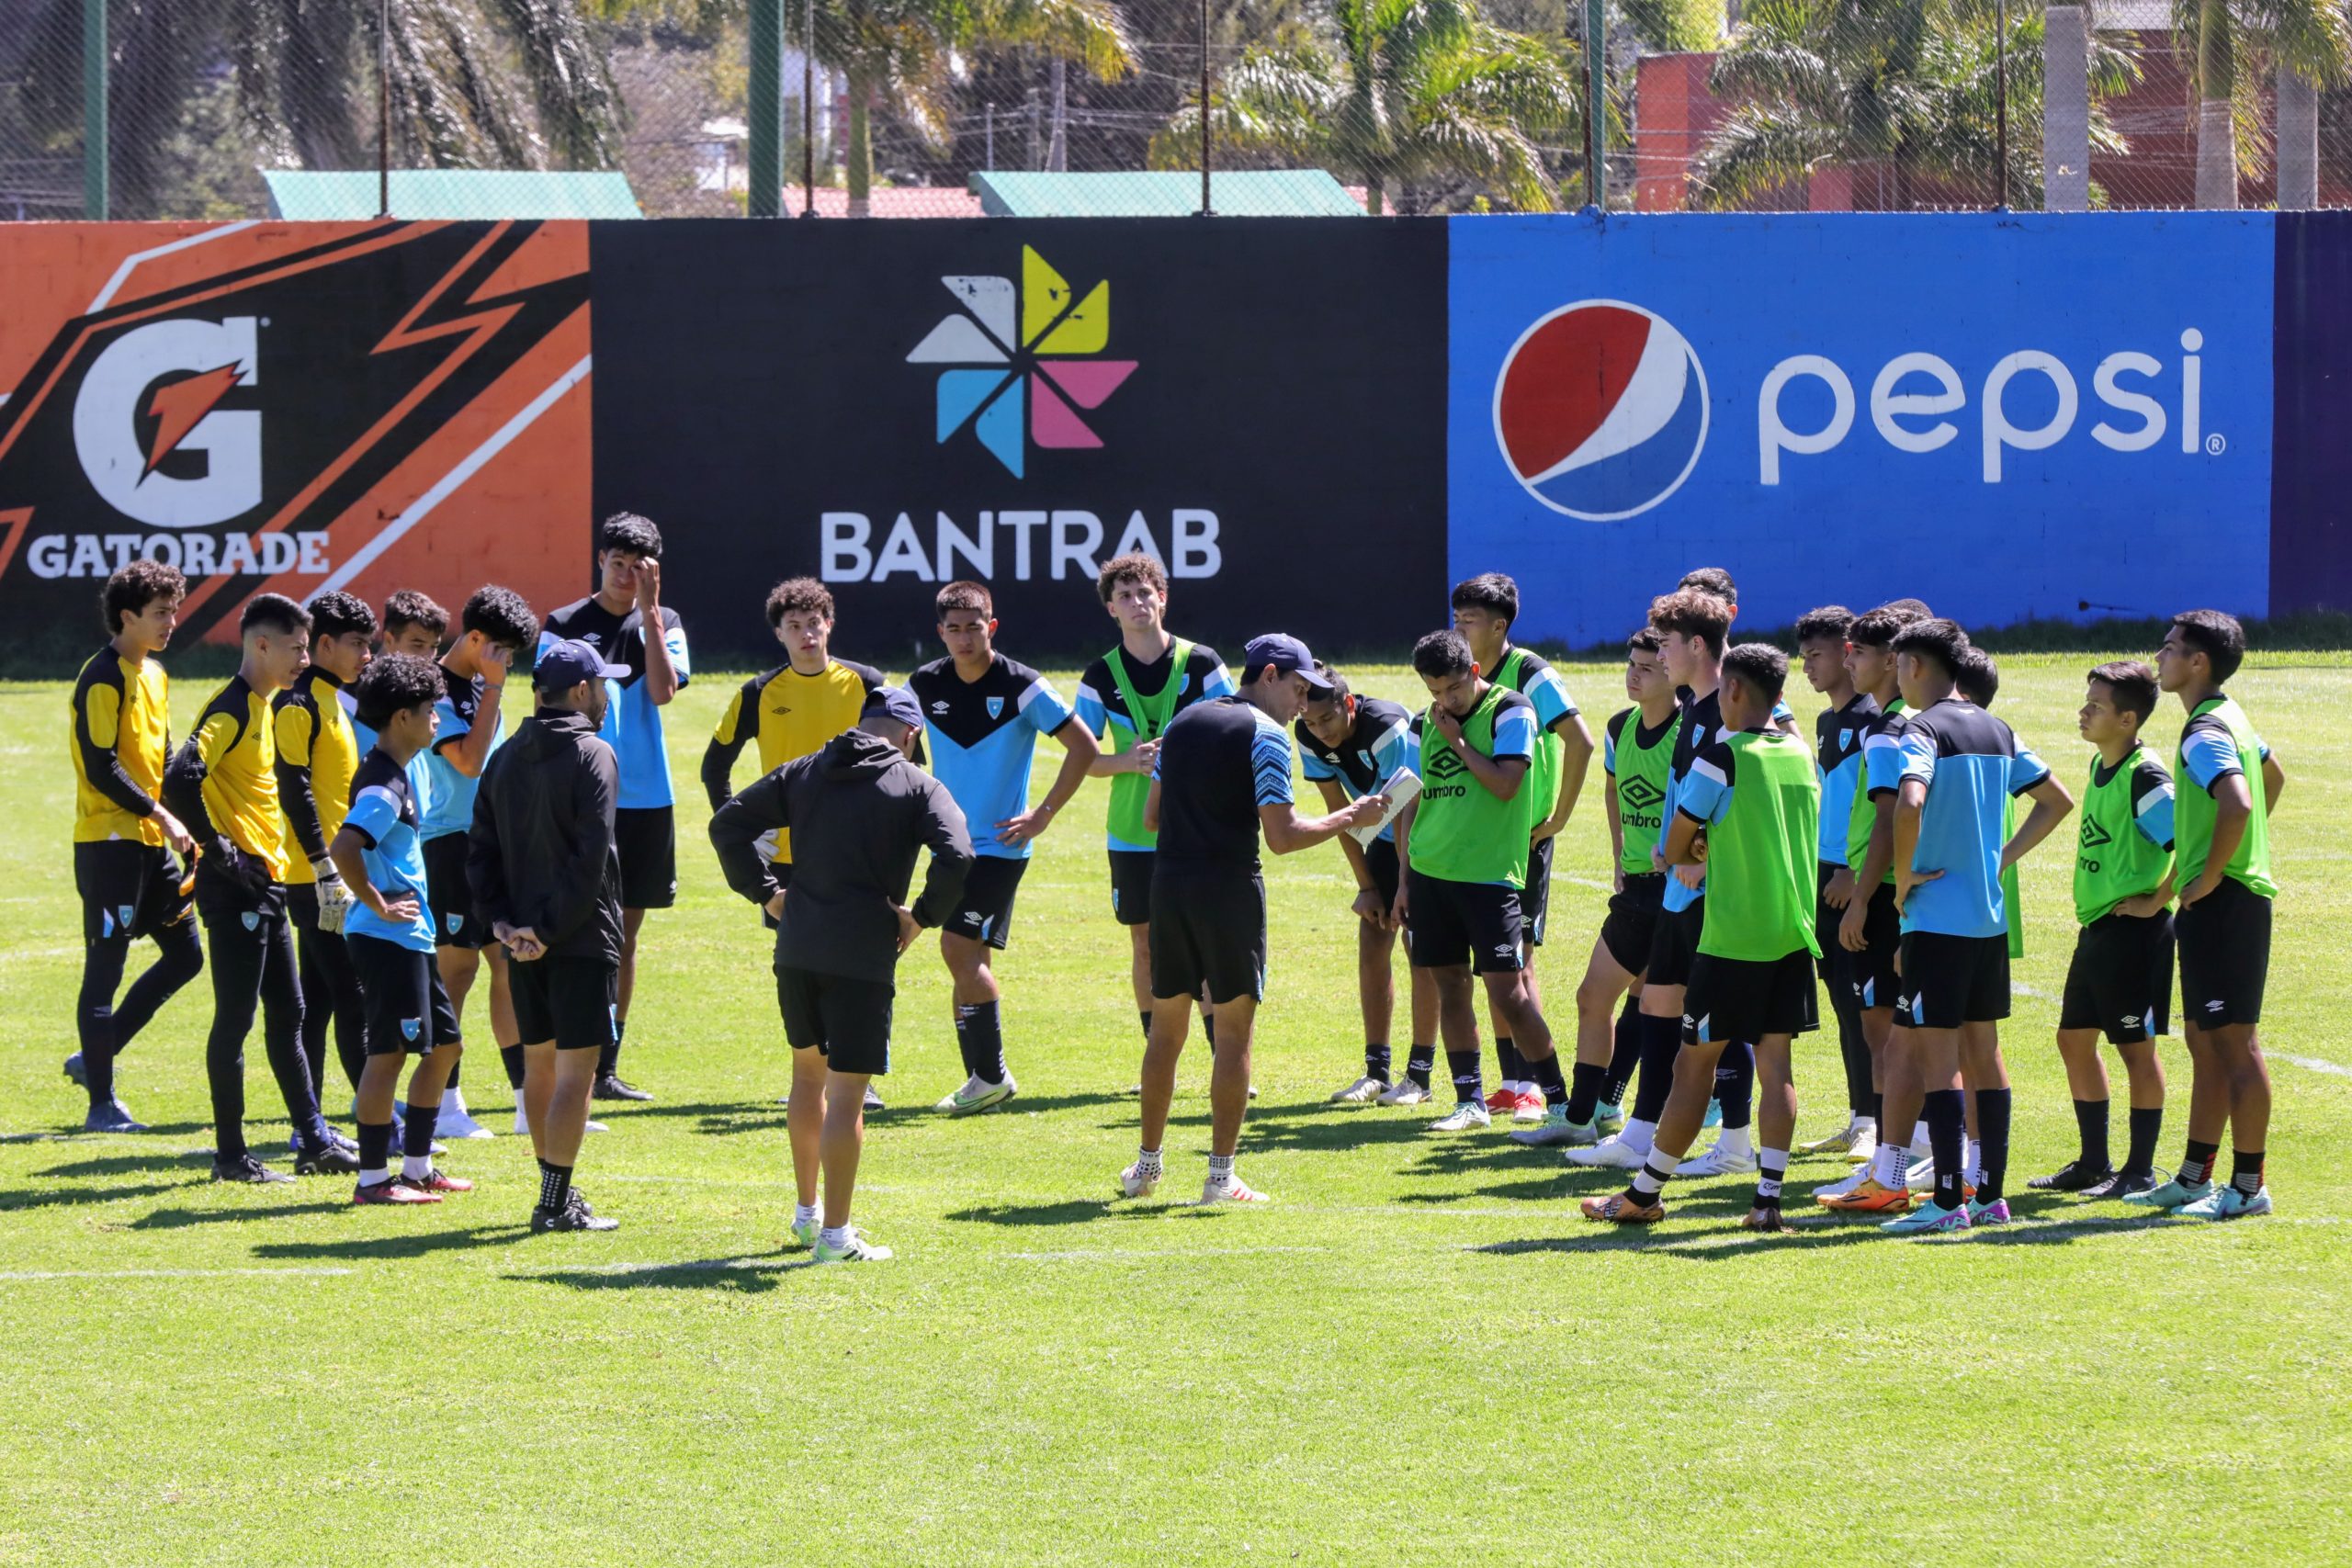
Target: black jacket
column 858, row 812
column 541, row 852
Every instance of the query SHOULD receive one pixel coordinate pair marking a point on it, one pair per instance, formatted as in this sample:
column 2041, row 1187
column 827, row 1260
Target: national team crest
column 411, row 1028
column 453, row 921
column 122, row 913
column 253, row 920
column 996, row 708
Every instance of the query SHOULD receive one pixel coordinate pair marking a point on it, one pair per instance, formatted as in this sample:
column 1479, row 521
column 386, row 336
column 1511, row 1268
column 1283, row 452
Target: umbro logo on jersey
column 2213, row 1006
column 2130, row 1021
column 941, row 707
column 781, row 709
column 2094, row 834
column 1640, row 794
column 1444, row 762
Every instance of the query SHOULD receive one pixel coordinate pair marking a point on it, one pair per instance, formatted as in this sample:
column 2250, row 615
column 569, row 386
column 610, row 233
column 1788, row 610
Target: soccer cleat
column 522, row 1120
column 1869, row 1198
column 1613, row 1153
column 1465, row 1116
column 2123, row 1184
column 392, row 1190
column 1861, row 1143
column 246, row 1168
column 1846, row 1184
column 1718, row 1161
column 438, row 1181
column 456, row 1121
column 1619, row 1209
column 803, row 1233
column 977, row 1095
column 1715, row 1117
column 1532, row 1106
column 854, row 1248
column 1920, row 1176
column 1764, row 1217
column 610, row 1086
column 1404, row 1091
column 2074, row 1176
column 575, row 1215
column 1996, row 1213
column 2226, row 1203
column 1928, row 1219
column 74, row 1070
column 1502, row 1101
column 2172, row 1196
column 1557, row 1129
column 111, row 1117
column 1608, row 1117
column 873, row 1102
column 1839, row 1140
column 1134, row 1184
column 328, row 1161
column 1234, row 1190
column 1364, row 1091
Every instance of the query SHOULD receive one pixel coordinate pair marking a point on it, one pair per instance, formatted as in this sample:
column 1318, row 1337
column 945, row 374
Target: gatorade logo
column 152, row 394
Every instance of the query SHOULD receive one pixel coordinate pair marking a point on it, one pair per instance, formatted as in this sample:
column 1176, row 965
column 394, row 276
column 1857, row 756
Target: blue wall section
column 1686, row 420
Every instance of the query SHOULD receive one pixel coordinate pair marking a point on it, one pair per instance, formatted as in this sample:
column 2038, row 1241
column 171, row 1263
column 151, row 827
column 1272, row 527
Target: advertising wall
column 1316, row 424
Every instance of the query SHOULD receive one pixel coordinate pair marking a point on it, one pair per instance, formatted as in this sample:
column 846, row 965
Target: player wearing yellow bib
column 130, row 854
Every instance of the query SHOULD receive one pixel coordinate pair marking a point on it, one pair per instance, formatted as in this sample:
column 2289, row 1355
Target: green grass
column 1418, row 1354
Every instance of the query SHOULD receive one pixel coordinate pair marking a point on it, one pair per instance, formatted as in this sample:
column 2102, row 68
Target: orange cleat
column 1619, row 1209
column 1869, row 1197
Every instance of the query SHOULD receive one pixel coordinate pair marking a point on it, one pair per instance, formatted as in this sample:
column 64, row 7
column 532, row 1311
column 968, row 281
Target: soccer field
column 1419, row 1353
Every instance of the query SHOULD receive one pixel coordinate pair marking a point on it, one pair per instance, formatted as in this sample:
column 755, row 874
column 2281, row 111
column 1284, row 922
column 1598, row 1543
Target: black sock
column 1993, row 1143
column 1853, row 1050
column 1507, row 1062
column 1467, row 1089
column 1661, row 1043
column 2090, row 1122
column 1877, row 1112
column 2145, row 1127
column 2197, row 1165
column 1376, row 1062
column 1419, row 1063
column 555, row 1185
column 375, row 1145
column 1736, row 1083
column 416, row 1133
column 1585, row 1093
column 1145, row 1014
column 1208, row 1030
column 979, row 1030
column 1548, row 1079
column 453, row 1074
column 511, row 1058
column 2245, row 1170
column 1947, row 1116
column 608, row 1057
column 1624, row 1054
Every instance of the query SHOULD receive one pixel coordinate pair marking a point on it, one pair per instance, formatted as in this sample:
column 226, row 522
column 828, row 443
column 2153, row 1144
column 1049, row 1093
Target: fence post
column 94, row 109
column 2065, row 109
column 766, row 152
column 1208, row 207
column 1596, row 105
column 1057, row 145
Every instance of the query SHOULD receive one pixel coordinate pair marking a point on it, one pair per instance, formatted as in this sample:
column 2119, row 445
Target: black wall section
column 1280, row 437
column 2310, row 476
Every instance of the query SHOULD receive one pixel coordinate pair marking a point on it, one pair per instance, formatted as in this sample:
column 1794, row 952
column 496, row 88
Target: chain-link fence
column 948, row 107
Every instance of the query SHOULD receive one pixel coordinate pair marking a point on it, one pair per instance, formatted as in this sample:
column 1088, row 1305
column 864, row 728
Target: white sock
column 1882, row 1165
column 1921, row 1149
column 1973, row 1165
column 371, row 1178
column 1638, row 1134
column 1866, row 1126
column 1146, row 1162
column 1221, row 1170
column 834, row 1235
column 416, row 1166
column 1734, row 1141
column 802, row 1213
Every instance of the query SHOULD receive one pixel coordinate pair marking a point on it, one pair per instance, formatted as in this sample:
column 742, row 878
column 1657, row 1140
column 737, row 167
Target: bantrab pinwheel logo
column 1021, row 365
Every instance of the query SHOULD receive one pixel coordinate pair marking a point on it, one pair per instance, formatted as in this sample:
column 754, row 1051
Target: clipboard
column 1400, row 788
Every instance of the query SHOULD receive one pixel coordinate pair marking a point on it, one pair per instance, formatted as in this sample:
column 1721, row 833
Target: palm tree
column 2309, row 40
column 1901, row 92
column 1415, row 91
column 475, row 84
column 905, row 56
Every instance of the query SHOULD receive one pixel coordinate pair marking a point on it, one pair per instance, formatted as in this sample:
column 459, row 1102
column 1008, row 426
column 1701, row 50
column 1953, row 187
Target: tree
column 1901, row 92
column 1418, row 92
column 2310, row 40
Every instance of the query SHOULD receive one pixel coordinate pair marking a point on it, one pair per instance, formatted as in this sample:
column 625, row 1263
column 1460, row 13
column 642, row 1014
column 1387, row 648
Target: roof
column 1239, row 193
column 346, row 194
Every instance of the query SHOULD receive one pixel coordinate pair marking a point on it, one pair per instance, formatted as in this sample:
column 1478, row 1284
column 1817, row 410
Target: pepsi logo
column 1600, row 410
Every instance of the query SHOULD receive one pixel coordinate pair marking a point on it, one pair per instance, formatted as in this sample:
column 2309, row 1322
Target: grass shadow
column 75, row 1196
column 1073, row 1211
column 132, row 1165
column 419, row 1243
column 185, row 1219
column 754, row 1275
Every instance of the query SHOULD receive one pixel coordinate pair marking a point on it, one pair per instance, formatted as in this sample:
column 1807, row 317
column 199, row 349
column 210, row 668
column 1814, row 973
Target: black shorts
column 1131, row 887
column 2224, row 956
column 1630, row 929
column 455, row 924
column 1535, row 898
column 1387, row 871
column 1477, row 923
column 1209, row 933
column 1870, row 975
column 845, row 1021
column 566, row 1000
column 2121, row 980
column 1952, row 980
column 647, row 838
column 1674, row 943
column 406, row 1005
column 128, row 888
column 984, row 909
column 1744, row 1000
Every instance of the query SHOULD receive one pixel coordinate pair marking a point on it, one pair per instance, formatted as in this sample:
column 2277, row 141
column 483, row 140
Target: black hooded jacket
column 541, row 852
column 859, row 812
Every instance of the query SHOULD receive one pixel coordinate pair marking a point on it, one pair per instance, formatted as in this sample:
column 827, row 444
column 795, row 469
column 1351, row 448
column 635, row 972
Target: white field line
column 28, row 1276
column 2311, row 1065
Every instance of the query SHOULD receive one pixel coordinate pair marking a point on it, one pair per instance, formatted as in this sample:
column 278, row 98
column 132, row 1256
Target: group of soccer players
column 322, row 827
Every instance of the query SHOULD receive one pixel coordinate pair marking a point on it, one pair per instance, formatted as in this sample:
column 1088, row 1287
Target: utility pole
column 988, row 159
column 1596, row 105
column 1208, row 209
column 383, row 108
column 808, row 111
column 1058, row 147
column 1036, row 154
column 94, row 109
column 766, row 152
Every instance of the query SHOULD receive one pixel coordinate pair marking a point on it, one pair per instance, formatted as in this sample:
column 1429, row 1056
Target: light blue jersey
column 983, row 737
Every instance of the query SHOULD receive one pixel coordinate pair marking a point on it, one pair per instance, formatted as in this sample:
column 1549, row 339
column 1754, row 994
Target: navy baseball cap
column 567, row 664
column 894, row 703
column 1287, row 654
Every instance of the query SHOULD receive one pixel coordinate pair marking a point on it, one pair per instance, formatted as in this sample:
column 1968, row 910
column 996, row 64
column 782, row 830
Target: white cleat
column 1717, row 1161
column 1613, row 1153
column 1136, row 1185
column 522, row 1124
column 1860, row 1174
column 1364, row 1091
column 456, row 1121
column 1861, row 1143
column 1404, row 1091
column 978, row 1095
column 1234, row 1191
column 1530, row 1109
column 1921, row 1175
column 873, row 1100
column 1469, row 1114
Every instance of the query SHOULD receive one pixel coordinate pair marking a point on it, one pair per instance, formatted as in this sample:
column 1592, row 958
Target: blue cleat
column 111, row 1117
column 1927, row 1219
column 2172, row 1196
column 2226, row 1203
column 74, row 1070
